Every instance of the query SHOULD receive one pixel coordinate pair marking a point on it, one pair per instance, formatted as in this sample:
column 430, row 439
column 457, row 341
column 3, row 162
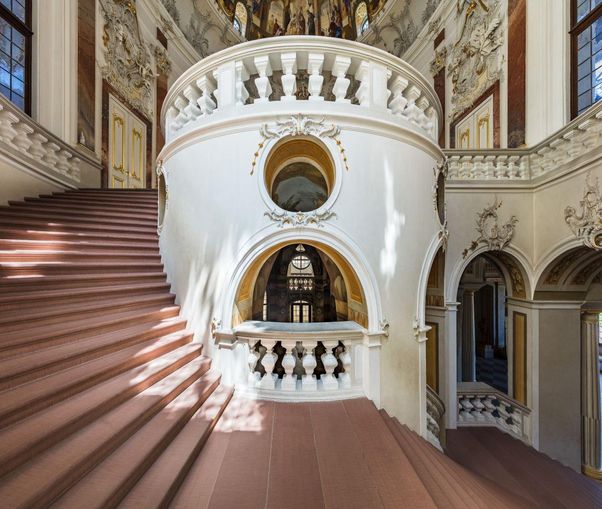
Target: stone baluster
column 422, row 120
column 489, row 167
column 289, row 76
column 192, row 109
column 7, row 131
column 466, row 167
column 37, row 149
column 345, row 375
column 268, row 362
column 264, row 69
column 329, row 381
column 252, row 360
column 478, row 408
column 231, row 90
column 309, row 382
column 315, row 61
column 182, row 118
column 241, row 92
column 206, row 102
column 524, row 168
column 341, row 85
column 289, row 380
column 62, row 164
column 411, row 112
column 454, row 167
column 22, row 140
column 465, row 408
column 398, row 101
column 500, row 168
column 431, row 124
column 513, row 168
column 51, row 156
column 74, row 169
column 478, row 168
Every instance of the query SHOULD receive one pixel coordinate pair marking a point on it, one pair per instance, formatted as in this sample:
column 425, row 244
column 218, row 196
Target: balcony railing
column 575, row 141
column 345, row 75
column 482, row 405
column 328, row 360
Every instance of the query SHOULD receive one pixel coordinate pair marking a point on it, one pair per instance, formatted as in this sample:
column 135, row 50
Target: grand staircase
column 99, row 376
column 105, row 400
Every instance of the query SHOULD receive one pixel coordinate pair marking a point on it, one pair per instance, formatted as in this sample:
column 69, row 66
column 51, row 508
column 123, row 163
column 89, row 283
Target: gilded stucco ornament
column 298, row 125
column 587, row 225
column 439, row 61
column 475, row 58
column 299, row 219
column 162, row 62
column 127, row 60
column 491, row 233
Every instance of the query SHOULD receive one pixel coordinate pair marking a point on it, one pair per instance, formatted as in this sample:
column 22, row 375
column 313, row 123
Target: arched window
column 361, row 18
column 240, row 19
column 300, row 272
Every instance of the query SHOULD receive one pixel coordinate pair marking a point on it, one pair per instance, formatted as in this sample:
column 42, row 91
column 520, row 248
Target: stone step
column 63, row 255
column 99, row 212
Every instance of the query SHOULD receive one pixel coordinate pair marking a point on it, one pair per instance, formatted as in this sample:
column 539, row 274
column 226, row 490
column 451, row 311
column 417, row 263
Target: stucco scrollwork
column 162, row 62
column 439, row 61
column 299, row 219
column 588, row 224
column 298, row 125
column 475, row 58
column 127, row 60
column 491, row 233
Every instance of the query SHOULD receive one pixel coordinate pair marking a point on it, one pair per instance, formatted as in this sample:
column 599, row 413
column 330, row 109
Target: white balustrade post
column 264, row 69
column 341, row 85
column 38, row 142
column 22, row 140
column 329, row 381
column 182, row 117
column 422, row 120
column 309, row 382
column 51, row 156
column 231, row 90
column 373, row 91
column 7, row 131
column 345, row 375
column 268, row 362
column 205, row 102
column 289, row 76
column 289, row 381
column 398, row 102
column 62, row 164
column 412, row 111
column 315, row 61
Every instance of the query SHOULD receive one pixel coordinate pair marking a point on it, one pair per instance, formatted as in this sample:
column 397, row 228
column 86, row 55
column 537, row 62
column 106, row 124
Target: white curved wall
column 384, row 216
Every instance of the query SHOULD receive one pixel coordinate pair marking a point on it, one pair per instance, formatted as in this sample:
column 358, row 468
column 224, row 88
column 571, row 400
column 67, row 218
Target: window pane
column 584, row 69
column 583, row 86
column 18, row 101
column 13, row 56
column 584, row 37
column 583, row 102
column 583, row 8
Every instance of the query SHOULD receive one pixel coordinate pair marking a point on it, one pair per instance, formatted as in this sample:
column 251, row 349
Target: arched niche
column 344, row 283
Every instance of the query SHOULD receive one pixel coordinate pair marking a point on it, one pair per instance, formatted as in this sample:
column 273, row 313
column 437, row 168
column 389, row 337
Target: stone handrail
column 485, row 406
column 283, row 70
column 435, row 410
column 37, row 148
column 575, row 140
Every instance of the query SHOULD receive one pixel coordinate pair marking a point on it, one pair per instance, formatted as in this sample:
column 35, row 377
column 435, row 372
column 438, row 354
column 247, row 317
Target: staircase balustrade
column 435, row 410
column 332, row 74
column 552, row 157
column 38, row 149
column 481, row 407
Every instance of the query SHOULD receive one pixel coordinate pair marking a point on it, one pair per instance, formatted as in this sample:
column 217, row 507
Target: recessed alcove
column 299, row 174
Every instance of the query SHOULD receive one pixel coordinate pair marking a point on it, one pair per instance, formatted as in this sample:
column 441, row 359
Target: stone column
column 468, row 337
column 590, row 395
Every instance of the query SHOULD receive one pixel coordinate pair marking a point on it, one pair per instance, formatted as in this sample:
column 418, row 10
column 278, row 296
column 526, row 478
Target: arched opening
column 569, row 319
column 300, row 282
column 435, row 319
column 240, row 19
column 299, row 175
column 484, row 344
column 361, row 18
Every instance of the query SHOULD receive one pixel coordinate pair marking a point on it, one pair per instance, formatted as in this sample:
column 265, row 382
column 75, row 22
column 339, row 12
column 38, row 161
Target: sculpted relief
column 587, row 224
column 127, row 60
column 475, row 60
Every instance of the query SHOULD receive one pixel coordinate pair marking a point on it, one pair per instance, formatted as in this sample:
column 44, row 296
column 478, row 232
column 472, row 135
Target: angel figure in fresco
column 300, row 22
column 291, row 29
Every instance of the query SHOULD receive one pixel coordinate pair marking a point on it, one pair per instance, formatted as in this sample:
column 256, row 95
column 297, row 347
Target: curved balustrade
column 435, row 410
column 342, row 75
column 482, row 405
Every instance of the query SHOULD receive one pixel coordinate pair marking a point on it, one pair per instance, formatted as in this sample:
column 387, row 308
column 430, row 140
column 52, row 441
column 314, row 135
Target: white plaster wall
column 384, row 213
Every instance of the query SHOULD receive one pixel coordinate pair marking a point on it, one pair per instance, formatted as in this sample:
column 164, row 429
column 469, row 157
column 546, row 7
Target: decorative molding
column 475, row 61
column 162, row 62
column 127, row 59
column 384, row 326
column 496, row 237
column 298, row 125
column 588, row 225
column 299, row 219
column 440, row 60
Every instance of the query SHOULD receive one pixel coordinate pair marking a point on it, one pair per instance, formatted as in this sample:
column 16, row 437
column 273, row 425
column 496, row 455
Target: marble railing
column 331, row 74
column 485, row 406
column 299, row 361
column 35, row 147
column 577, row 139
column 435, row 410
